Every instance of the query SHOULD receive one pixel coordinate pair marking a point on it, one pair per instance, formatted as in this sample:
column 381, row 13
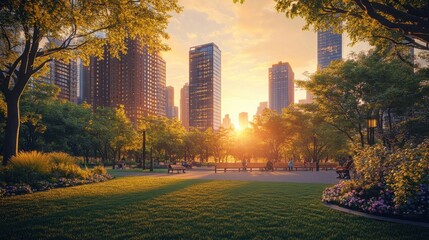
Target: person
column 344, row 171
column 269, row 166
column 122, row 163
column 290, row 164
column 244, row 164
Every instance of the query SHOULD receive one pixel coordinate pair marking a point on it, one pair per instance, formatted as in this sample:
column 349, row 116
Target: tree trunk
column 12, row 128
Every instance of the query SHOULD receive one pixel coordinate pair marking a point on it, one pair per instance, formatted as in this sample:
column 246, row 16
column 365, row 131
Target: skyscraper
column 64, row 75
column 169, row 100
column 205, row 87
column 329, row 48
column 262, row 106
column 161, row 78
column 281, row 86
column 184, row 106
column 134, row 81
column 226, row 122
column 243, row 119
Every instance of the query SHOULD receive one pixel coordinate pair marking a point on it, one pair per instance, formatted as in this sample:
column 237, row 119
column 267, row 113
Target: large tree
column 34, row 32
column 399, row 22
column 348, row 92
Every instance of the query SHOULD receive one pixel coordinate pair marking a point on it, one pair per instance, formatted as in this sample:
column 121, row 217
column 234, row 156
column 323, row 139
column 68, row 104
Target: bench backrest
column 256, row 165
column 280, row 165
column 229, row 165
column 176, row 166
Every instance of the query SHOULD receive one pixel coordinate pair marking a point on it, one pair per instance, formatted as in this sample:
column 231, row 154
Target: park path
column 327, row 177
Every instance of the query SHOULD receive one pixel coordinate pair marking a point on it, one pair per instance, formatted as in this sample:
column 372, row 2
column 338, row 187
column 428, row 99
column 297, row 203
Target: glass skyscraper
column 329, row 48
column 205, row 87
column 281, row 86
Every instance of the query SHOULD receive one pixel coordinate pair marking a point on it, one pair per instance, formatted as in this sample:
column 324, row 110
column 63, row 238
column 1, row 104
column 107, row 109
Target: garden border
column 380, row 218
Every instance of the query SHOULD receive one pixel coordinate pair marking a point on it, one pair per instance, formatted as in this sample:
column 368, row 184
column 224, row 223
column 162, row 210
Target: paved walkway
column 327, row 177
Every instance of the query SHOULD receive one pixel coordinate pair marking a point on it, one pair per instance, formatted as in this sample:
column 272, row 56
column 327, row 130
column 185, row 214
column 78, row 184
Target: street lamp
column 372, row 124
column 144, row 150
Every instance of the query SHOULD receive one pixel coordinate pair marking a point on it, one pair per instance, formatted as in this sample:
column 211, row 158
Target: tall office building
column 161, row 78
column 281, row 86
column 329, row 48
column 226, row 122
column 243, row 120
column 205, row 87
column 262, row 106
column 169, row 100
column 184, row 106
column 133, row 81
column 65, row 76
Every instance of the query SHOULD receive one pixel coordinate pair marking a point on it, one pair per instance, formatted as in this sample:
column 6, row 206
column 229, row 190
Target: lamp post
column 144, row 150
column 372, row 124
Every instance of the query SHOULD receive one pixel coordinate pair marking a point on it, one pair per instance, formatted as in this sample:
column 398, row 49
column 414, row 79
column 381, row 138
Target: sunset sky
column 252, row 37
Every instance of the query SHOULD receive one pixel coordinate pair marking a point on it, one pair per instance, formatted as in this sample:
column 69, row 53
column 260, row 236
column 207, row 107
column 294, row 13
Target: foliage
column 188, row 209
column 27, row 167
column 100, row 170
column 400, row 24
column 386, row 182
column 348, row 92
column 36, row 32
column 62, row 158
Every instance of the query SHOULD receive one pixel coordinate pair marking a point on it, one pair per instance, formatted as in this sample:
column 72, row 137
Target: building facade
column 184, row 106
column 329, row 48
column 226, row 122
column 262, row 106
column 281, row 86
column 243, row 120
column 205, row 87
column 65, row 76
column 134, row 81
column 169, row 100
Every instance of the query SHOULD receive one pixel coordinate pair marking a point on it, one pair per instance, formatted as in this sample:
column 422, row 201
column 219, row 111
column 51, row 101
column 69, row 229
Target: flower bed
column 22, row 188
column 394, row 184
column 30, row 172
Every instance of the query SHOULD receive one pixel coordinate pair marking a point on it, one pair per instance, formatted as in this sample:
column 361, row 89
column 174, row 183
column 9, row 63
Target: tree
column 368, row 86
column 313, row 138
column 403, row 23
column 36, row 31
column 34, row 104
column 273, row 131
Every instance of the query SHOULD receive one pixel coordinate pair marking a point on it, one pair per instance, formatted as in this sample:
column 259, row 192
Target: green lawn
column 165, row 208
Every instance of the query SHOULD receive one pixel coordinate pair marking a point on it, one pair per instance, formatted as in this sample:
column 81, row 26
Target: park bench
column 176, row 167
column 304, row 166
column 259, row 166
column 327, row 166
column 281, row 165
column 344, row 171
column 228, row 166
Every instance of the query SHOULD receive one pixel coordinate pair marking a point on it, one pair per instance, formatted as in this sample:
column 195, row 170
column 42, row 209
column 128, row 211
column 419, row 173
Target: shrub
column 100, row 170
column 395, row 183
column 63, row 170
column 27, row 167
column 60, row 157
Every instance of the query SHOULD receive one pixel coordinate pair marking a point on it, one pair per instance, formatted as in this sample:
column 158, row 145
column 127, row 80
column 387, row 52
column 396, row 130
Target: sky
column 252, row 37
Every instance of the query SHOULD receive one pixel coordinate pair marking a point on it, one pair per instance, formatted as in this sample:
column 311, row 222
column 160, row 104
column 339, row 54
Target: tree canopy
column 36, row 31
column 379, row 22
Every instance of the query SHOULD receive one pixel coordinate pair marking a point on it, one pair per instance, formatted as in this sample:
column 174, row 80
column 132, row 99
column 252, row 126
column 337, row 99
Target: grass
column 167, row 208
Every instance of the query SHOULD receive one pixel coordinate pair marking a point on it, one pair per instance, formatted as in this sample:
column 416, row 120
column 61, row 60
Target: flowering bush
column 387, row 183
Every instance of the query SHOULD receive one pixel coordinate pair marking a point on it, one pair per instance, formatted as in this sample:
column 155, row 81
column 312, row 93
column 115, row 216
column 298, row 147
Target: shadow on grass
column 194, row 209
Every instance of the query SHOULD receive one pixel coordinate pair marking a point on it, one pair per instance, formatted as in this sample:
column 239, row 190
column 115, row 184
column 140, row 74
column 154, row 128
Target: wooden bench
column 260, row 166
column 281, row 165
column 176, row 167
column 228, row 166
column 306, row 166
column 327, row 166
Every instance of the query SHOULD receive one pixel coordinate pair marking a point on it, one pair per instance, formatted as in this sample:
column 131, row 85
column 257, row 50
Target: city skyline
column 252, row 38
